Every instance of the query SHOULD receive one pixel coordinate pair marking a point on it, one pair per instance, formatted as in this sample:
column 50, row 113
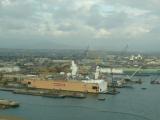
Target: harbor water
column 131, row 104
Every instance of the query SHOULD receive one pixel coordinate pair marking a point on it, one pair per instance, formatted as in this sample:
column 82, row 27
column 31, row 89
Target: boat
column 101, row 98
column 143, row 88
column 155, row 82
column 77, row 95
column 54, row 96
column 28, row 92
column 128, row 86
column 113, row 92
column 8, row 104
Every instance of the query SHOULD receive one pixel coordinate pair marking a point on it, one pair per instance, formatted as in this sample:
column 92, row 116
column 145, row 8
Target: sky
column 101, row 24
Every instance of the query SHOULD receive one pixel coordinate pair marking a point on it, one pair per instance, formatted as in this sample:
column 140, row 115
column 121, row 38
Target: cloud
column 74, row 21
column 136, row 30
column 5, row 3
column 102, row 33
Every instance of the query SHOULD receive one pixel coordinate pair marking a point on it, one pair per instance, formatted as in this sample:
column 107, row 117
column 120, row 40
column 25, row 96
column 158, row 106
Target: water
column 130, row 104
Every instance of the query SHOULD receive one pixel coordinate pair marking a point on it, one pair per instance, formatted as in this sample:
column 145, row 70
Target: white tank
column 74, row 69
column 97, row 72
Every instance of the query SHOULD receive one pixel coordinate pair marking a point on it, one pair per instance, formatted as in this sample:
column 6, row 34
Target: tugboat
column 155, row 82
column 101, row 98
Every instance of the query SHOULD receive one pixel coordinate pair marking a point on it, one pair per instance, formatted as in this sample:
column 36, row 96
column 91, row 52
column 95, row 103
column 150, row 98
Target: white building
column 10, row 69
column 138, row 57
column 111, row 70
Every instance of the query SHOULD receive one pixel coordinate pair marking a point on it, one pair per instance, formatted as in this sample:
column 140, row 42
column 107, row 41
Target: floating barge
column 54, row 96
column 51, row 94
column 4, row 104
column 77, row 95
column 74, row 95
column 28, row 92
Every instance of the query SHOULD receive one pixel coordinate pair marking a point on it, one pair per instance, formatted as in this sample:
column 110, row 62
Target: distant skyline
column 101, row 24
